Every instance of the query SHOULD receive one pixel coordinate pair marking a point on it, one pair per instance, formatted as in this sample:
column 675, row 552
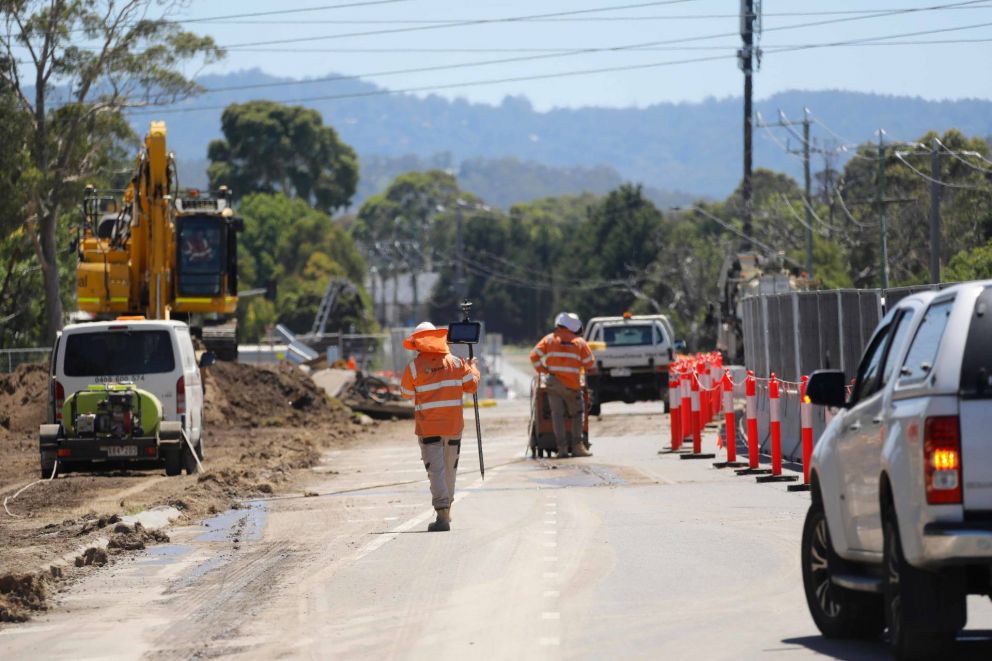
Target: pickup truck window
column 976, row 366
column 923, row 350
column 867, row 379
column 898, row 338
column 628, row 335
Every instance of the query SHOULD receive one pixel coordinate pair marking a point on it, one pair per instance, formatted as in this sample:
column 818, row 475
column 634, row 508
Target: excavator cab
column 206, row 254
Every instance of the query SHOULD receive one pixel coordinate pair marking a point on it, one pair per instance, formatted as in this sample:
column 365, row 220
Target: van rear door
column 976, row 407
column 142, row 355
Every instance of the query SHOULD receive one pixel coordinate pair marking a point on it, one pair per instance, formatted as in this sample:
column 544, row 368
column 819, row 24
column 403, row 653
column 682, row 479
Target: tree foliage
column 270, row 147
column 73, row 66
column 298, row 249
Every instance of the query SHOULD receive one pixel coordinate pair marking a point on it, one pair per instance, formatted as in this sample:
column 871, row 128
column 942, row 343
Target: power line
column 509, row 79
column 958, row 156
column 646, row 49
column 456, row 24
column 568, row 19
column 902, row 159
column 517, row 19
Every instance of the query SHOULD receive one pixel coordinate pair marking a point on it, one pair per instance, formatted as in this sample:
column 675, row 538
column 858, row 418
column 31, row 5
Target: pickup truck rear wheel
column 907, row 605
column 837, row 612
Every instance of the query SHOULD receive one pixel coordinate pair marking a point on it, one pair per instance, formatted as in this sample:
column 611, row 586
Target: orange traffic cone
column 352, row 365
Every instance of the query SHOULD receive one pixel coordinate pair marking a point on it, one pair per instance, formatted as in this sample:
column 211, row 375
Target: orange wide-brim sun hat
column 433, row 340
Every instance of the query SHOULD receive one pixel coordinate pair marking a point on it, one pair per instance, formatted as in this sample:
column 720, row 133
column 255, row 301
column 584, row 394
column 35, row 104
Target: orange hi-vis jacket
column 435, row 380
column 563, row 354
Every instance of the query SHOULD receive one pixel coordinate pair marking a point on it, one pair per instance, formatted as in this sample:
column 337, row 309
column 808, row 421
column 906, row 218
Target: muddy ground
column 264, row 426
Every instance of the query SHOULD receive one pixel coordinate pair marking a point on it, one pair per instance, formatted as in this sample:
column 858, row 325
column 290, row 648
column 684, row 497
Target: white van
column 155, row 356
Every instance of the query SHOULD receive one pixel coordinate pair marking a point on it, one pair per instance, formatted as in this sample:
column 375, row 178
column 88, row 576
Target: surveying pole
column 466, row 307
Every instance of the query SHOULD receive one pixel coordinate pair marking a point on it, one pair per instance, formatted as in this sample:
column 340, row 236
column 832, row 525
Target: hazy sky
column 933, row 70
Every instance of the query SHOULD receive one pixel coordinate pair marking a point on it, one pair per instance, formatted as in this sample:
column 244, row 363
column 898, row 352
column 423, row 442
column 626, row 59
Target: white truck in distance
column 899, row 530
column 632, row 355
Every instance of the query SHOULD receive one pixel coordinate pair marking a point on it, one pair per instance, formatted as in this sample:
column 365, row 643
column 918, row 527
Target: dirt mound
column 20, row 594
column 270, row 396
column 23, row 399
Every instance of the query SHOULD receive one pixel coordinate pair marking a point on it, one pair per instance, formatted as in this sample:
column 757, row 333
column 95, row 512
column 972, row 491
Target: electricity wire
column 959, row 157
column 923, row 175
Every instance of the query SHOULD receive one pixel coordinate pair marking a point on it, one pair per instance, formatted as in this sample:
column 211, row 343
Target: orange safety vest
column 564, row 354
column 435, row 380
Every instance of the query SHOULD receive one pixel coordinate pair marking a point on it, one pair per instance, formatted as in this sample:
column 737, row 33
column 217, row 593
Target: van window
column 923, row 350
column 119, row 353
column 628, row 336
column 976, row 366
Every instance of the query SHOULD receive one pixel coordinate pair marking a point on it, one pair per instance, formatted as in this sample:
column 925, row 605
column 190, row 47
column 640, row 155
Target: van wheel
column 904, row 584
column 48, row 467
column 173, row 461
column 837, row 612
column 189, row 460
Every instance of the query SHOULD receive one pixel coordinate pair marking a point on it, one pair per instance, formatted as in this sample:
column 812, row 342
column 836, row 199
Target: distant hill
column 691, row 147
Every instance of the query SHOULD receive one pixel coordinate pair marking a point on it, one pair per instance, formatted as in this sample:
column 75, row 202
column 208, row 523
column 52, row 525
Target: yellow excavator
column 150, row 251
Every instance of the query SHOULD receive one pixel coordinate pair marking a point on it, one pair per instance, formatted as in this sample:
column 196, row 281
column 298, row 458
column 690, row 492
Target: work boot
column 443, row 522
column 563, row 452
column 580, row 450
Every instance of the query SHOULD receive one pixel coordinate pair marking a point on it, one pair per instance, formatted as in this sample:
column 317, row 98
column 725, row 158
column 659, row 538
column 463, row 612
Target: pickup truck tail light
column 942, row 460
column 181, row 396
column 59, row 397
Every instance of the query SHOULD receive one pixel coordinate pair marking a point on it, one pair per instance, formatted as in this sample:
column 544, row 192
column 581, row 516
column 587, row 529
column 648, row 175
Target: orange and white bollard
column 686, row 406
column 728, row 417
column 716, row 378
column 806, row 424
column 697, row 421
column 775, row 424
column 674, row 415
column 750, row 390
column 775, row 429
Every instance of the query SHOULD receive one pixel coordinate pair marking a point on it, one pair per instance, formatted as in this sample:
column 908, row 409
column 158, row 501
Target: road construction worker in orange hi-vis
column 563, row 355
column 435, row 380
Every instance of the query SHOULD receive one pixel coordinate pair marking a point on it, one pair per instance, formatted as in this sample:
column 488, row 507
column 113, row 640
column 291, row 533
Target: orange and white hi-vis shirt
column 563, row 354
column 435, row 380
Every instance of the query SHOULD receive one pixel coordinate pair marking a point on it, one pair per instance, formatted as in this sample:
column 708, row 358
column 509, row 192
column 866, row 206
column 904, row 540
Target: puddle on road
column 246, row 523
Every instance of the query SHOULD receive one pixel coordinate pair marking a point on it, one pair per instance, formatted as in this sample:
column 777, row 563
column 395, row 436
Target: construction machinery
column 150, row 251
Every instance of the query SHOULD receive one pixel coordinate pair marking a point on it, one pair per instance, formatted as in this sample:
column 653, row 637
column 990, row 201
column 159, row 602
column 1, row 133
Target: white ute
column 899, row 530
column 632, row 355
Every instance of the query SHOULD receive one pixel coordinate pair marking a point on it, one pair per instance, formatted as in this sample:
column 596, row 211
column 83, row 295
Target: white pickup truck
column 899, row 530
column 632, row 355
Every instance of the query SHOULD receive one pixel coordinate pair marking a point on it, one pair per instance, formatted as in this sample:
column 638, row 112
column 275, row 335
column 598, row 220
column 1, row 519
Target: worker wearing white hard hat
column 563, row 355
column 436, row 380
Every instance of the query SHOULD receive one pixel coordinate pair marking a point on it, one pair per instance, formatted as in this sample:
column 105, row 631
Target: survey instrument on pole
column 467, row 332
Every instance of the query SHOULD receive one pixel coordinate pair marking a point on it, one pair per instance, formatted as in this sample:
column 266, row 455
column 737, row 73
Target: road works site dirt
column 264, row 427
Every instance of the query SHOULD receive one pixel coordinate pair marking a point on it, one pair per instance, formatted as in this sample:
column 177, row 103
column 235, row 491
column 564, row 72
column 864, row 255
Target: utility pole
column 806, row 150
column 807, row 187
column 750, row 10
column 934, row 211
column 880, row 201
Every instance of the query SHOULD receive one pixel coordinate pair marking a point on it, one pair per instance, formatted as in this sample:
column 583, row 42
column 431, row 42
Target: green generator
column 110, row 425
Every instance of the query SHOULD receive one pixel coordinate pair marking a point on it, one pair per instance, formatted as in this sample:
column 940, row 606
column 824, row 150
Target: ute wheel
column 902, row 581
column 837, row 612
column 173, row 461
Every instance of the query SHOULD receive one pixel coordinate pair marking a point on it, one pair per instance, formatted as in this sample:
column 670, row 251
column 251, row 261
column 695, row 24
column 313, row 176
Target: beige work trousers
column 440, row 455
column 564, row 401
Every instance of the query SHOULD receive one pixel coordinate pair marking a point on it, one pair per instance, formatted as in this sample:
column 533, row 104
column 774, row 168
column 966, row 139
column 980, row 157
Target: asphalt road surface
column 630, row 554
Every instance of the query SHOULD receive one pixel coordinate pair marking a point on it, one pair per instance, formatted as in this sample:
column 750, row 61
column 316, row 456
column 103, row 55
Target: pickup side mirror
column 207, row 359
column 680, row 345
column 827, row 388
